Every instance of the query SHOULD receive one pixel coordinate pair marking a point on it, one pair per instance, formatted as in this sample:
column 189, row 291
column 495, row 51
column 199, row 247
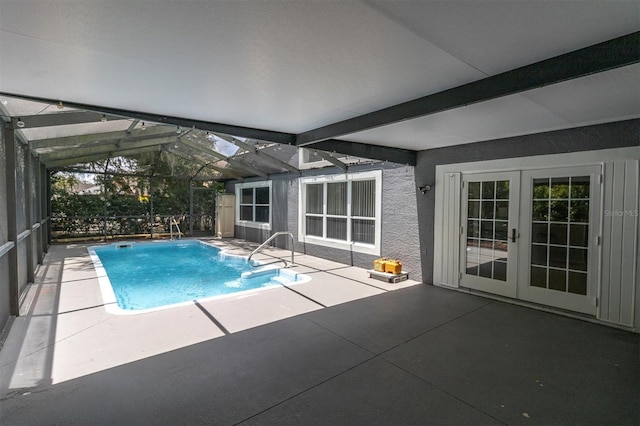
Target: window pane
column 247, row 196
column 363, row 231
column 337, row 228
column 314, row 226
column 337, row 198
column 314, row 199
column 246, row 213
column 363, row 198
column 262, row 214
column 262, row 195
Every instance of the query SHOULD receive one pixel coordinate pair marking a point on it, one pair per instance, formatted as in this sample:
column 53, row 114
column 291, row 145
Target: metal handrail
column 172, row 221
column 268, row 240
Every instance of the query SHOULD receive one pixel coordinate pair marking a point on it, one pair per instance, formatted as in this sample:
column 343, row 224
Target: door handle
column 513, row 235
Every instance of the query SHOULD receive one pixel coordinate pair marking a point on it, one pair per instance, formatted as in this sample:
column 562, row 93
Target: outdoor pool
column 140, row 277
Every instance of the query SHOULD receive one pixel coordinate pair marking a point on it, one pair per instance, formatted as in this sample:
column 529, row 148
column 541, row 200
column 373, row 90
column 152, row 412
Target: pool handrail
column 172, row 222
column 267, row 241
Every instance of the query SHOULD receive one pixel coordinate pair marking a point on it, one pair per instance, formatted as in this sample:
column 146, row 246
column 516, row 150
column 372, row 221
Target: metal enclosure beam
column 330, row 158
column 12, row 230
column 251, row 148
column 236, row 163
column 229, row 129
column 600, row 57
column 196, row 160
column 62, row 119
column 104, row 148
column 28, row 212
column 108, row 137
column 96, row 157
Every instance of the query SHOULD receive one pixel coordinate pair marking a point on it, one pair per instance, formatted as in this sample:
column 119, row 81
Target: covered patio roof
column 374, row 79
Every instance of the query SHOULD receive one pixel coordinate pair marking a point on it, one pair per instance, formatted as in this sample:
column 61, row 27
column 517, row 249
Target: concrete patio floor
column 340, row 349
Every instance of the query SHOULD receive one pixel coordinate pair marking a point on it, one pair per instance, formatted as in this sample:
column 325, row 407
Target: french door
column 559, row 246
column 533, row 235
column 489, row 215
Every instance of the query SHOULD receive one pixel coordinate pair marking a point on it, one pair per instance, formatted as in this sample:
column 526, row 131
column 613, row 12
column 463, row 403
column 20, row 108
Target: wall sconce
column 425, row 188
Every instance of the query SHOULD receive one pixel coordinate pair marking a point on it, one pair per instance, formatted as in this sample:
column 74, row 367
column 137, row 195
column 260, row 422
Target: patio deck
column 341, row 349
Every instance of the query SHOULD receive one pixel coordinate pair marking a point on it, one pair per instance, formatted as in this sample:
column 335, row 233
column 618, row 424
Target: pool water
column 151, row 275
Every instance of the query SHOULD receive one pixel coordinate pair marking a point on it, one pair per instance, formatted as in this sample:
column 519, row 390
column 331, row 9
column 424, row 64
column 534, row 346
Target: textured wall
column 399, row 219
column 603, row 136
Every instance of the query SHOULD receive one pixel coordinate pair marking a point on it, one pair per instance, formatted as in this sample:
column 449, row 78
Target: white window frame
column 253, row 185
column 342, row 244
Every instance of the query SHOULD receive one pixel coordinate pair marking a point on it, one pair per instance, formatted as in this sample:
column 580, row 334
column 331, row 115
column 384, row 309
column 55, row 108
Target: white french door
column 490, row 203
column 532, row 235
column 559, row 246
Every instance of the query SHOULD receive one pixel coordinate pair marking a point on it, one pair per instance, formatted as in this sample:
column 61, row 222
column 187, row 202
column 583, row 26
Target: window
column 253, row 204
column 342, row 211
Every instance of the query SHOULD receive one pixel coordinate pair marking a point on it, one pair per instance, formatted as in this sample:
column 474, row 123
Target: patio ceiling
column 375, row 79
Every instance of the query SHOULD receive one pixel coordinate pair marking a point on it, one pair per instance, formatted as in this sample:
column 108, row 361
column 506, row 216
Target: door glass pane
column 488, row 190
column 538, row 277
column 577, row 283
column 559, row 233
column 557, row 279
column 540, row 189
column 473, row 228
column 502, row 190
column 473, row 210
column 501, row 230
column 474, row 190
column 488, row 208
column 540, row 233
column 502, row 210
column 487, row 219
column 473, row 261
column 578, row 235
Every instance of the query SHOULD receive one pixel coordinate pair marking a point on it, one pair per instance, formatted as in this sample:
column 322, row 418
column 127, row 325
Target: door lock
column 513, row 235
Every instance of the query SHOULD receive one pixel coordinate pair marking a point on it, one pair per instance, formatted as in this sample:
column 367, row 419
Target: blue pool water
column 151, row 275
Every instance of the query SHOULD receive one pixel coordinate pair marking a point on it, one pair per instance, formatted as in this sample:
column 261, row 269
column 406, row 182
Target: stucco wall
column 603, row 136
